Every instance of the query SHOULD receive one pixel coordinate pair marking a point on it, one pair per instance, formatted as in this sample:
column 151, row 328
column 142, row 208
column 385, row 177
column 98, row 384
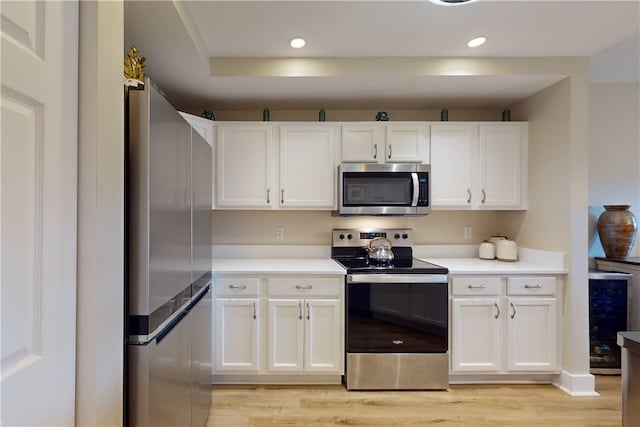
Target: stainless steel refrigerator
column 168, row 271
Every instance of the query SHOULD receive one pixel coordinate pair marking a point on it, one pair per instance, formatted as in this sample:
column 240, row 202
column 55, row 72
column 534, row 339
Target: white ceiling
column 235, row 54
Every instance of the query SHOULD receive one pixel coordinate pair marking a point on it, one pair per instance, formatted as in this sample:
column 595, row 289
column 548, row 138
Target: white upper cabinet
column 479, row 166
column 307, row 166
column 502, row 167
column 453, row 166
column 384, row 142
column 407, row 142
column 244, row 163
column 363, row 143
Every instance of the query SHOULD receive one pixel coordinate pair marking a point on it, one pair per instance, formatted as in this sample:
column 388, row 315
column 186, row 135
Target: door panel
column 39, row 202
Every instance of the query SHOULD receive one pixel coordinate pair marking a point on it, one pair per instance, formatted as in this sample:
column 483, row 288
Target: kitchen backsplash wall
column 314, row 227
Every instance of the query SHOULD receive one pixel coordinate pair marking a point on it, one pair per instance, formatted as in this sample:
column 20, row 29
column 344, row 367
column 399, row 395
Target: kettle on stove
column 380, row 252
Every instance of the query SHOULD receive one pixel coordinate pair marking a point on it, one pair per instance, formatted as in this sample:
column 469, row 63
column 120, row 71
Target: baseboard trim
column 582, row 385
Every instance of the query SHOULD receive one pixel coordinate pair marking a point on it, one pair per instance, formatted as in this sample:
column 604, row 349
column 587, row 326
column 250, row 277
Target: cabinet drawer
column 315, row 287
column 236, row 286
column 532, row 285
column 475, row 285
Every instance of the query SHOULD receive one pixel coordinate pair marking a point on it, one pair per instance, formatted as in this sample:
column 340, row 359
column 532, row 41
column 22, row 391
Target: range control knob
column 341, row 236
column 396, row 236
column 405, row 236
column 349, row 236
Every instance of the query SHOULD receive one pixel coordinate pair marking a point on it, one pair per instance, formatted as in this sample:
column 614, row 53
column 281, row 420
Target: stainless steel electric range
column 396, row 313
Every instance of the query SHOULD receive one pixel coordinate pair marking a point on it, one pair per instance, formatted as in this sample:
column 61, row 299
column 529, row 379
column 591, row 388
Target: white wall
column 614, row 154
column 100, row 289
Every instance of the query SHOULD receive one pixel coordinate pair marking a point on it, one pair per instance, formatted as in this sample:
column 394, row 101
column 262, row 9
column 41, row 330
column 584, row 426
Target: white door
column 39, row 198
column 324, row 343
column 453, row 166
column 407, row 142
column 499, row 166
column 236, row 336
column 307, row 167
column 286, row 335
column 531, row 334
column 362, row 142
column 243, row 172
column 476, row 334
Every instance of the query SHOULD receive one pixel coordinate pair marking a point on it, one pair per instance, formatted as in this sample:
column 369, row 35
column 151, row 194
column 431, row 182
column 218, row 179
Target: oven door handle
column 397, row 278
column 416, row 189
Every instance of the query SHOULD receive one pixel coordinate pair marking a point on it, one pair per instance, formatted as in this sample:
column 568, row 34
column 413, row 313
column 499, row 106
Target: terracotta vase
column 617, row 229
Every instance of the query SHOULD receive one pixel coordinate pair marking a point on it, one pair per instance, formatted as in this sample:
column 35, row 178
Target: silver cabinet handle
column 513, row 307
column 482, row 286
column 237, row 286
column 304, row 287
column 484, row 196
column 538, row 286
column 255, row 310
column 300, row 310
column 497, row 310
column 308, row 311
column 268, row 195
column 282, row 196
column 375, row 151
column 389, row 150
column 468, row 196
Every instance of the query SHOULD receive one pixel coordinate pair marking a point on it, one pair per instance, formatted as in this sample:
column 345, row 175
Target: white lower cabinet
column 236, row 325
column 268, row 328
column 304, row 335
column 505, row 325
column 236, row 342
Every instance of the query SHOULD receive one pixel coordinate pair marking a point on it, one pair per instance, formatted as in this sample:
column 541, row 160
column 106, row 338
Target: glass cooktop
column 361, row 265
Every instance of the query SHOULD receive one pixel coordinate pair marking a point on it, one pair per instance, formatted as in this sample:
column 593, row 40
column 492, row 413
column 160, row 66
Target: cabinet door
column 236, row 340
column 362, row 143
column 285, row 337
column 324, row 340
column 476, row 334
column 243, row 166
column 407, row 143
column 500, row 167
column 531, row 334
column 307, row 167
column 453, row 166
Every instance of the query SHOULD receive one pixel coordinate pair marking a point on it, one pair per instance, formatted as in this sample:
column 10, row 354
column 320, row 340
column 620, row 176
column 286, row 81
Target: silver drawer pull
column 304, row 287
column 237, row 286
column 300, row 310
column 533, row 286
column 514, row 310
column 308, row 312
column 476, row 286
column 497, row 310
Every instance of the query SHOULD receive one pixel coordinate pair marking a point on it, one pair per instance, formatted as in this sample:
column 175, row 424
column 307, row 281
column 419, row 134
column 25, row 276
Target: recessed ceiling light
column 297, row 42
column 478, row 41
column 451, row 2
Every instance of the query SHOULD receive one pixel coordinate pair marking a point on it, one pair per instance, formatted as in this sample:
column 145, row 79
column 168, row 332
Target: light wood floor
column 461, row 405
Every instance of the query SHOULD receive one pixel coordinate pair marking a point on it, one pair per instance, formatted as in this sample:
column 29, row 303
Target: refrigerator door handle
column 165, row 331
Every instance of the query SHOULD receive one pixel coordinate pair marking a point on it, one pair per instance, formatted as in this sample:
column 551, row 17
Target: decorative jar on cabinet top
column 617, row 228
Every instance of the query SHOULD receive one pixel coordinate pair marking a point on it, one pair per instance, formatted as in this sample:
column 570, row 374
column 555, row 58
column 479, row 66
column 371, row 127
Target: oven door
column 401, row 315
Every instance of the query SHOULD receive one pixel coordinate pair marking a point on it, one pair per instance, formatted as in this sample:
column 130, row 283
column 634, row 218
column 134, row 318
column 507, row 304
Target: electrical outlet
column 279, row 233
column 468, row 233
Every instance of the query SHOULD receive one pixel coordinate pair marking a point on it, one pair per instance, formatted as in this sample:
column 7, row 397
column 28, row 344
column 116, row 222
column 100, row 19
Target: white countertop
column 482, row 266
column 323, row 266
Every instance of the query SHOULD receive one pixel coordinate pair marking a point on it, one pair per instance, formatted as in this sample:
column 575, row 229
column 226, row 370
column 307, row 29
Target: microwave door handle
column 416, row 189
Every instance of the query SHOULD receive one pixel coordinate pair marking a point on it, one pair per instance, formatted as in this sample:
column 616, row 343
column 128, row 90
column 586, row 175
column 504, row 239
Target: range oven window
column 397, row 318
column 377, row 189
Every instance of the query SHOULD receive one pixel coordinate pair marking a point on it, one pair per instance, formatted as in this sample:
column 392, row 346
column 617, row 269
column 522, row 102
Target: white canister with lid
column 486, row 250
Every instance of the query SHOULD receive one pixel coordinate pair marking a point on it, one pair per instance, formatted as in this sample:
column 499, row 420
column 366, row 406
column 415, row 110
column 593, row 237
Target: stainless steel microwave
column 384, row 189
